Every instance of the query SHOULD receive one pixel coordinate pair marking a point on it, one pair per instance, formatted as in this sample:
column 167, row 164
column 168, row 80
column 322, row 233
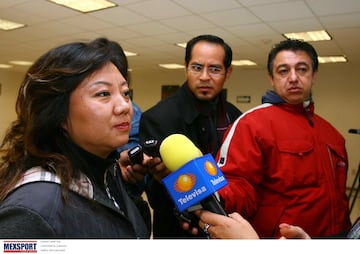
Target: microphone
column 355, row 131
column 195, row 177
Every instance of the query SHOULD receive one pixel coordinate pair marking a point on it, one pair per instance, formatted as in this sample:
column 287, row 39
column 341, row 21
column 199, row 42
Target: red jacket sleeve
column 240, row 160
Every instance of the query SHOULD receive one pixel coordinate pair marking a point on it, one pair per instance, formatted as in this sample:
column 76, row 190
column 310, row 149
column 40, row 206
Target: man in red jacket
column 283, row 162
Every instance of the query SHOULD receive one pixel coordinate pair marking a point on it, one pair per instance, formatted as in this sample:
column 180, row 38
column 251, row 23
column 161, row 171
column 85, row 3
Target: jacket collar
column 273, row 98
column 82, row 185
column 306, row 108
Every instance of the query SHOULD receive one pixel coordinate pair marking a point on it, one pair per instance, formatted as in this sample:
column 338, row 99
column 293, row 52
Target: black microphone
column 150, row 147
column 195, row 178
column 355, row 131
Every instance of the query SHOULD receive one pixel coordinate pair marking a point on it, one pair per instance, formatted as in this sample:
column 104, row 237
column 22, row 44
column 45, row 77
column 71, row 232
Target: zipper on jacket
column 331, row 162
column 307, row 112
column 109, row 194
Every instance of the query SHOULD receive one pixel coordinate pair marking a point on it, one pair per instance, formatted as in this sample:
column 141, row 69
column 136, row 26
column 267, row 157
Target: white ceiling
column 152, row 27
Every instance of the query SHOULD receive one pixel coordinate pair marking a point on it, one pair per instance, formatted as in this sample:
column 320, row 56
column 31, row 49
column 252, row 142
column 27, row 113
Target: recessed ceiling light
column 332, row 59
column 321, row 35
column 9, row 25
column 24, row 63
column 5, row 66
column 243, row 63
column 172, row 66
column 85, row 5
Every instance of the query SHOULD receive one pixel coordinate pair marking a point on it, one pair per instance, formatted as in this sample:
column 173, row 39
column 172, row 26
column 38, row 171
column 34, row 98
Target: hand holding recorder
column 147, row 157
column 134, row 163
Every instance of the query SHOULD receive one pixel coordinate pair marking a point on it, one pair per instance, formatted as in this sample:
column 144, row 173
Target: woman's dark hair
column 36, row 138
column 292, row 45
column 211, row 39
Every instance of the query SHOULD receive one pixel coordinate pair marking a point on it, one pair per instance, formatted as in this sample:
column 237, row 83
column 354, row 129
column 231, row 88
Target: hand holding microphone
column 147, row 156
column 195, row 178
column 134, row 163
column 131, row 172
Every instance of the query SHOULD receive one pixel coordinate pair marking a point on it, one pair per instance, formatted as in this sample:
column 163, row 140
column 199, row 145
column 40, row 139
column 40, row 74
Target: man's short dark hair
column 211, row 39
column 293, row 45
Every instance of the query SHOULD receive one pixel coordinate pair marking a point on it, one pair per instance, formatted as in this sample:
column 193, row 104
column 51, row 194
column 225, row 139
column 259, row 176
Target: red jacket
column 280, row 168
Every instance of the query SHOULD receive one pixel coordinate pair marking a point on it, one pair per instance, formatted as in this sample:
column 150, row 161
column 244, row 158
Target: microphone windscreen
column 176, row 150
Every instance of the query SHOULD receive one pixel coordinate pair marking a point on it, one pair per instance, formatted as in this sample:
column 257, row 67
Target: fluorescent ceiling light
column 85, row 5
column 172, row 66
column 9, row 25
column 181, row 44
column 128, row 53
column 332, row 59
column 5, row 66
column 24, row 63
column 243, row 63
column 321, row 35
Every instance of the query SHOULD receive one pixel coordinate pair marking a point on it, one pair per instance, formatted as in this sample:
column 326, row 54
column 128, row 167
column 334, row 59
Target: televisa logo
column 20, row 246
column 194, row 181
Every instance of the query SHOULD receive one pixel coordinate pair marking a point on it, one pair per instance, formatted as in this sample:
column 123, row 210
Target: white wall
column 336, row 96
column 10, row 82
